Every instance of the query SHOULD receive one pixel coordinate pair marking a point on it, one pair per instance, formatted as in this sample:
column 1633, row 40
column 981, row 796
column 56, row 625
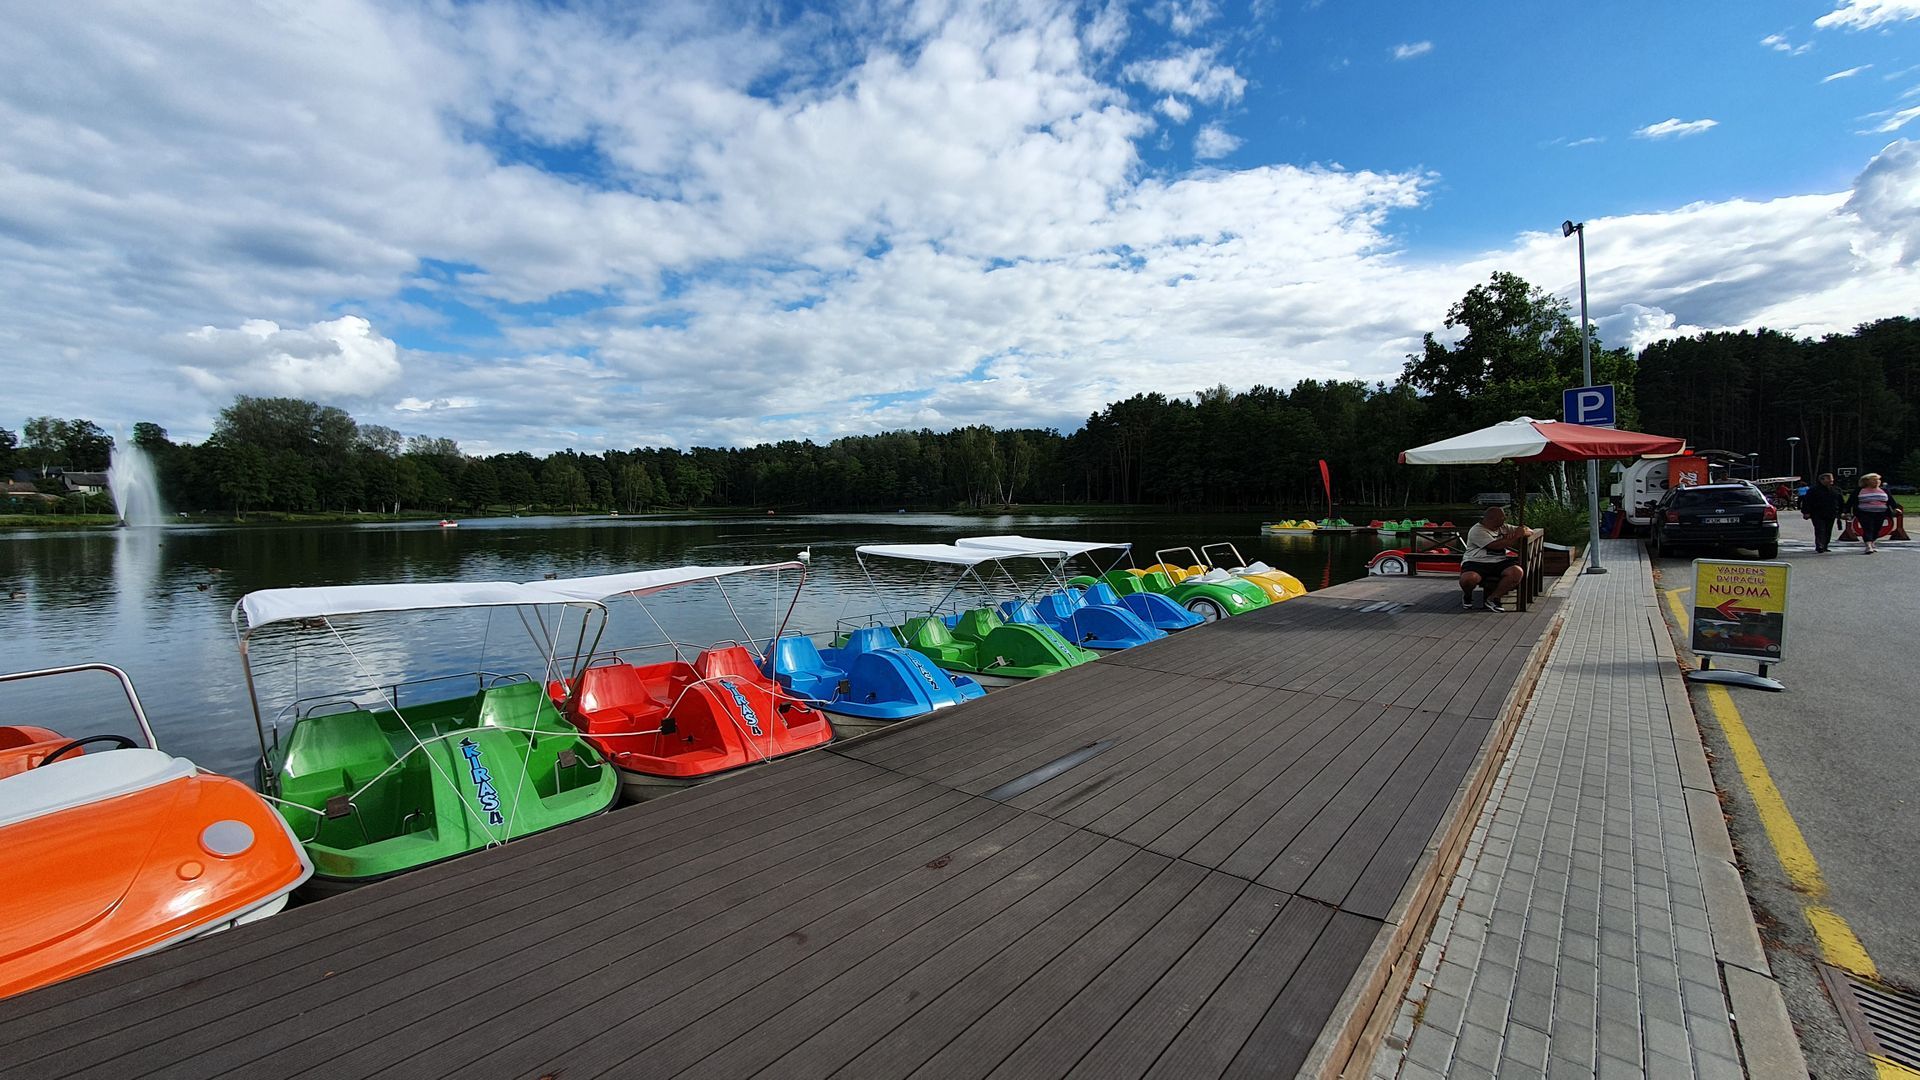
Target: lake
column 158, row 602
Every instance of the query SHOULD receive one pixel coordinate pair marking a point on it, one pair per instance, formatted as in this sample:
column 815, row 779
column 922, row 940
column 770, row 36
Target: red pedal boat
column 670, row 724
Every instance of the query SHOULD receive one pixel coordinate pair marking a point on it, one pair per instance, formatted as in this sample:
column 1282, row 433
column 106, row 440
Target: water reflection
column 157, row 602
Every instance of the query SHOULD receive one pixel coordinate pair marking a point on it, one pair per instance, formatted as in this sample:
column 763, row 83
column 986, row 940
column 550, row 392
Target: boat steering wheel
column 120, row 742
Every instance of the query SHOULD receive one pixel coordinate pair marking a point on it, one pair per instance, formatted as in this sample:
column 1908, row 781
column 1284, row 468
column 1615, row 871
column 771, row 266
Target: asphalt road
column 1842, row 746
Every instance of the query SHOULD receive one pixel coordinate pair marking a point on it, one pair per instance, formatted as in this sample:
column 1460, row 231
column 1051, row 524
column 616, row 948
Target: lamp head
column 1567, row 227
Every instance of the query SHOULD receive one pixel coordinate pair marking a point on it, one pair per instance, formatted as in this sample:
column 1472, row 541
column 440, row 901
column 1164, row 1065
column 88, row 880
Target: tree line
column 1507, row 349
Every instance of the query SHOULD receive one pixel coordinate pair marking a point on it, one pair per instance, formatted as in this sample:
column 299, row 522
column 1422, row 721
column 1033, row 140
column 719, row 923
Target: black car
column 1732, row 515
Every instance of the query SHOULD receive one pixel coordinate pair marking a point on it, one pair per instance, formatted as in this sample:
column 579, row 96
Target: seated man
column 1489, row 559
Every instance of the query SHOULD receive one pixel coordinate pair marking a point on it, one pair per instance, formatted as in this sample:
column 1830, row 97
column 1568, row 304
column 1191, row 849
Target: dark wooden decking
column 1189, row 899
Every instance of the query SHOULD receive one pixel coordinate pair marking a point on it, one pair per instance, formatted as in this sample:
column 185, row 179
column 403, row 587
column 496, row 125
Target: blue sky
column 535, row 225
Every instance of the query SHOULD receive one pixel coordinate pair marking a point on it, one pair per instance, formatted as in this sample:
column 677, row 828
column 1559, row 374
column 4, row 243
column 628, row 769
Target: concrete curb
column 1769, row 1045
column 1365, row 1011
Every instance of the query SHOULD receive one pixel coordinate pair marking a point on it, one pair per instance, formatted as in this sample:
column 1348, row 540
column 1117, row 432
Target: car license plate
column 1720, row 520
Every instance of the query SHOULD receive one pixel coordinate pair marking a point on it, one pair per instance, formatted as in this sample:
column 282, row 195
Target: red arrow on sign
column 1731, row 610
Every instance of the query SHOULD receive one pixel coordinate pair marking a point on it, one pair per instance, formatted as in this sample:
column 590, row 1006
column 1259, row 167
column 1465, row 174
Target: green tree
column 9, row 451
column 1517, row 349
column 151, row 437
column 71, row 444
column 479, row 485
column 243, row 476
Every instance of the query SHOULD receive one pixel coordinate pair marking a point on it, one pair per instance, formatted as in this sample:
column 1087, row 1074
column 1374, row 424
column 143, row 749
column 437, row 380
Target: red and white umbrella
column 1527, row 439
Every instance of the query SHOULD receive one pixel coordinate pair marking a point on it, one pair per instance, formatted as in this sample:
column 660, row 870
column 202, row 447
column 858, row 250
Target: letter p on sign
column 1589, row 405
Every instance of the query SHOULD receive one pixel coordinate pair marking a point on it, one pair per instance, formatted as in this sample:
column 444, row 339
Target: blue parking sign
column 1589, row 405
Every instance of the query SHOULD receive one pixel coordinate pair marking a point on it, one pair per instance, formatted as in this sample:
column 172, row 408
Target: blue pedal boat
column 1156, row 610
column 1088, row 625
column 869, row 681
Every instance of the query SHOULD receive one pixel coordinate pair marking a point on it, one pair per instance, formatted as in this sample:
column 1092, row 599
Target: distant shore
column 1063, row 510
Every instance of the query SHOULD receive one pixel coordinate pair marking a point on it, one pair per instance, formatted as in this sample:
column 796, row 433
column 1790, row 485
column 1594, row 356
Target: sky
column 538, row 225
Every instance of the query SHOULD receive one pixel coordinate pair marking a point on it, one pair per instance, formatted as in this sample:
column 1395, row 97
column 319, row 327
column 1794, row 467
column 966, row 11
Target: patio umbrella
column 1527, row 439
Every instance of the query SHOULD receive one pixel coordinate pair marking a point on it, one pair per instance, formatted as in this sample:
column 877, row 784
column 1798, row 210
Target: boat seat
column 1124, row 583
column 931, row 635
column 1057, row 607
column 731, row 661
column 1022, row 611
column 871, row 639
column 797, row 665
column 619, row 688
column 516, row 705
column 352, row 743
column 976, row 623
column 1102, row 594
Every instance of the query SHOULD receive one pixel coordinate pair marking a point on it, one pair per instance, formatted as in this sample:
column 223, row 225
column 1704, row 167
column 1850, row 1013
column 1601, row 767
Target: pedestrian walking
column 1871, row 507
column 1822, row 505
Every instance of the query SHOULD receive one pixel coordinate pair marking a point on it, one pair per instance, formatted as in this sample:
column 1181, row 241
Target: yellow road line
column 1679, row 609
column 1837, row 941
column 1889, row 1070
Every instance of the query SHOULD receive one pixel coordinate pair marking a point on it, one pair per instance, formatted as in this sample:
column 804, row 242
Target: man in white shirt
column 1489, row 560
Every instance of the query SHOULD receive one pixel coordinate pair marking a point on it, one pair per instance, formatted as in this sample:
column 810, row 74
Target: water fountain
column 135, row 487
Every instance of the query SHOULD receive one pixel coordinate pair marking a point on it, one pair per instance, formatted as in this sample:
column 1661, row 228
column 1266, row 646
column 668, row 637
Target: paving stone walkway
column 1575, row 939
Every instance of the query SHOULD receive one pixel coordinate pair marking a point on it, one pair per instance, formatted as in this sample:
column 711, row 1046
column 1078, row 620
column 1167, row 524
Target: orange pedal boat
column 114, row 849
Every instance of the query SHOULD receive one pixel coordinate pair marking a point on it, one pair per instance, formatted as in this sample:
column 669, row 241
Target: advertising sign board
column 1687, row 471
column 1740, row 609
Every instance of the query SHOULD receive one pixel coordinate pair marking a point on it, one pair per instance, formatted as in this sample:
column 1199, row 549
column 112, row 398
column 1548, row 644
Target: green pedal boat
column 976, row 641
column 390, row 775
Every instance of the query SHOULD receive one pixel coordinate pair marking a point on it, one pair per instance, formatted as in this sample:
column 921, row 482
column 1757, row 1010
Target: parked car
column 1719, row 516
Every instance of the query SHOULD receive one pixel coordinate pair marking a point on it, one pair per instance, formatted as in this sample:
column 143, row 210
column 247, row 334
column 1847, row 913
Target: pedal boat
column 977, row 642
column 1155, row 610
column 1278, row 584
column 374, row 786
column 670, row 724
column 1091, row 626
column 114, row 849
column 868, row 682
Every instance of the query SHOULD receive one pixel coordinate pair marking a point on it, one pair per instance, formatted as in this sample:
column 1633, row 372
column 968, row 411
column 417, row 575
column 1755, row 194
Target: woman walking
column 1871, row 506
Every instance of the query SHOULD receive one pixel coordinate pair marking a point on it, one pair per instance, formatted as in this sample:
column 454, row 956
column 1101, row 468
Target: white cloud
column 1214, row 141
column 1866, row 14
column 1176, row 110
column 419, row 405
column 944, row 218
column 1779, row 43
column 1183, row 17
column 1410, row 49
column 343, row 359
column 1883, row 199
column 1893, row 120
column 1107, row 30
column 1847, row 74
column 1674, row 128
column 1191, row 73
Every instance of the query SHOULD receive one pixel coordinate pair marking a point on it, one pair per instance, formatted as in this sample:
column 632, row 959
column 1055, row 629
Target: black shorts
column 1488, row 571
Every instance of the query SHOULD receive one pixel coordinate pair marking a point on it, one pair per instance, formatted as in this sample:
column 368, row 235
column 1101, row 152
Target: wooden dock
column 1173, row 862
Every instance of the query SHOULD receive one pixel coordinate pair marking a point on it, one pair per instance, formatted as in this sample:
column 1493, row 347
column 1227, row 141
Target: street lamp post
column 1753, row 465
column 1793, row 456
column 1570, row 228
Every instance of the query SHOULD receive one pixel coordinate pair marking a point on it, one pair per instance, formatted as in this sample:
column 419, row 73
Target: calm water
column 158, row 602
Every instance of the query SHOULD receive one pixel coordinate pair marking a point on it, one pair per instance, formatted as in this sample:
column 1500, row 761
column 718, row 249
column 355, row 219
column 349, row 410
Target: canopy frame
column 316, row 607
column 968, row 559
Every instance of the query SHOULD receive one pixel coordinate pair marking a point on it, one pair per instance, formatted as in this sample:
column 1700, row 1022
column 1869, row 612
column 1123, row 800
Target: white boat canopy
column 641, row 582
column 319, row 602
column 1027, row 544
column 953, row 555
